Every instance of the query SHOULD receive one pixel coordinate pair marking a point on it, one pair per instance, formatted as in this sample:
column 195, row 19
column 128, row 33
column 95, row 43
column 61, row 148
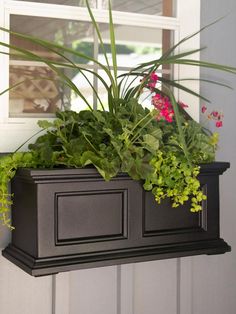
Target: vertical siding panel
column 93, row 291
column 214, row 288
column 21, row 293
column 186, row 286
column 127, row 289
column 155, row 287
column 214, row 277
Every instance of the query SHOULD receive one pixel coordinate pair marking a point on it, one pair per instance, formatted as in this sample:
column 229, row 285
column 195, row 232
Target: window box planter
column 68, row 219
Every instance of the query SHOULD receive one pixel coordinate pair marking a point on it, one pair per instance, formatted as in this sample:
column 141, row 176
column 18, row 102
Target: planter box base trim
column 45, row 266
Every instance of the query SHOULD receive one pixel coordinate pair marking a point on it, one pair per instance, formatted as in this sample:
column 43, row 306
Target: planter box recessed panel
column 81, row 215
column 90, row 216
column 181, row 220
column 68, row 219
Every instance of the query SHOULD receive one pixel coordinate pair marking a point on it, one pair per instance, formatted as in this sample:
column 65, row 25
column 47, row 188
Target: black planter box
column 67, row 219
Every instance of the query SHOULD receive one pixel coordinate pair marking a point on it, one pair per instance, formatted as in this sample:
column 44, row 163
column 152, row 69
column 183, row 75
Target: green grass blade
column 169, row 51
column 26, row 80
column 60, row 74
column 98, row 33
column 49, row 45
column 61, row 64
column 206, row 81
column 182, row 87
column 12, row 87
column 160, row 61
column 205, row 64
column 113, row 49
column 169, row 83
column 19, row 147
column 179, row 125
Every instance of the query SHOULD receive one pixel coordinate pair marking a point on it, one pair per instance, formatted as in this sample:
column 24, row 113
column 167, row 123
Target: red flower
column 204, row 108
column 182, row 105
column 153, row 80
column 164, row 107
column 154, row 77
column 215, row 114
column 219, row 124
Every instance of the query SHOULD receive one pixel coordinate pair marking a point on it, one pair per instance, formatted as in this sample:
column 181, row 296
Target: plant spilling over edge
column 162, row 147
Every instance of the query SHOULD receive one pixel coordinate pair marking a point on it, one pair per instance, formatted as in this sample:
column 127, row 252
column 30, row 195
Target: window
column 68, row 22
column 152, row 7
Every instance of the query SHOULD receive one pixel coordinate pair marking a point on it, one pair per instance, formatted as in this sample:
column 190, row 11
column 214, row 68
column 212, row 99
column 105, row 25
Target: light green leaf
column 150, row 142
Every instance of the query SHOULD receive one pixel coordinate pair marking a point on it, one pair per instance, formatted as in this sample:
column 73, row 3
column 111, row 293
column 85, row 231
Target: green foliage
column 8, row 167
column 127, row 137
column 131, row 141
column 173, row 178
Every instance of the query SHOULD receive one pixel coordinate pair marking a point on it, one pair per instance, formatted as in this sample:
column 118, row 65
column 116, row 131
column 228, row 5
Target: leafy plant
column 163, row 147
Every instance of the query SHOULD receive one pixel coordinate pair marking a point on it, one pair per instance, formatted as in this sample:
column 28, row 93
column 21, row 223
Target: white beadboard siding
column 214, row 277
column 155, row 287
column 93, row 291
column 22, row 294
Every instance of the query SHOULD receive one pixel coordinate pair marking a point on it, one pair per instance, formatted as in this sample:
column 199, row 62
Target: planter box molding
column 68, row 219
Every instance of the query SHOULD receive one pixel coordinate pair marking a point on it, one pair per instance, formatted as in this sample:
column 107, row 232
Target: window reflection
column 151, row 7
column 40, row 91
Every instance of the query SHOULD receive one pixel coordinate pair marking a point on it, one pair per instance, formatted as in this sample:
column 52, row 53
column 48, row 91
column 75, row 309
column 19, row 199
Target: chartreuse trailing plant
column 162, row 146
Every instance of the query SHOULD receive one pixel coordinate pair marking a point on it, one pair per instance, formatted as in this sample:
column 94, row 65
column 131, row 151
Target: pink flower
column 219, row 124
column 215, row 114
column 204, row 108
column 154, row 77
column 164, row 108
column 151, row 84
column 182, row 105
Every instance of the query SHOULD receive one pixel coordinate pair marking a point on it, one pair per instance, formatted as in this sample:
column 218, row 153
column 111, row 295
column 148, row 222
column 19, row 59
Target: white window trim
column 81, row 14
column 189, row 13
column 183, row 24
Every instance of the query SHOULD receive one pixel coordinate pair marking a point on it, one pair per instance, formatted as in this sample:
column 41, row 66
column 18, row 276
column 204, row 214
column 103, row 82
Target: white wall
column 214, row 277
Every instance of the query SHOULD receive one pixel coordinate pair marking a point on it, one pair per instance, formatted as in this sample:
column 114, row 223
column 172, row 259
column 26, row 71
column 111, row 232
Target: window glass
column 79, row 3
column 40, row 91
column 152, row 7
column 147, row 45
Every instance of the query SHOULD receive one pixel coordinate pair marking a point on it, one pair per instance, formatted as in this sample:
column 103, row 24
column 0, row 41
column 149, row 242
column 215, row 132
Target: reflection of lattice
column 38, row 92
column 36, row 88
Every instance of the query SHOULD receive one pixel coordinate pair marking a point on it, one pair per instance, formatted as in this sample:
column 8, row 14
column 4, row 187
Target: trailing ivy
column 173, row 178
column 8, row 166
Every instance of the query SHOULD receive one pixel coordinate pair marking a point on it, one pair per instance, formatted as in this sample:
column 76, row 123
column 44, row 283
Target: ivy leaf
column 44, row 124
column 99, row 116
column 88, row 158
column 127, row 161
column 150, row 143
column 156, row 132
